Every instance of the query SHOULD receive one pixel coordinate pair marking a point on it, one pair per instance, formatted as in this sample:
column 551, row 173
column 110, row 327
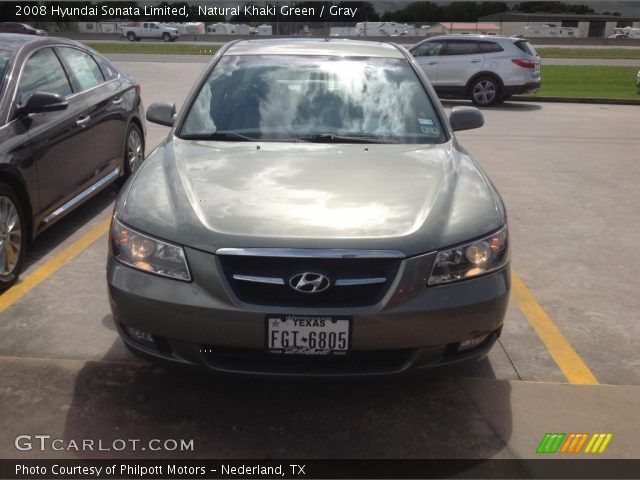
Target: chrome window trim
column 310, row 253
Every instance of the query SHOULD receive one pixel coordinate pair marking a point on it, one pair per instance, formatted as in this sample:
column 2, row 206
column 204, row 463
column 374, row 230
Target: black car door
column 108, row 117
column 61, row 143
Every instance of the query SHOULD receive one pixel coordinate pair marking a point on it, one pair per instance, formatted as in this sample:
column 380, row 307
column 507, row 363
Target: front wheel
column 166, row 37
column 12, row 237
column 484, row 91
column 131, row 36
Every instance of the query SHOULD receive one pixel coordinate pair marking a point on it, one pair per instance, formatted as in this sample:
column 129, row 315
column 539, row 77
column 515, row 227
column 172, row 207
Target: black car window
column 5, row 56
column 43, row 72
column 461, row 47
column 427, row 49
column 83, row 67
column 490, row 47
column 108, row 70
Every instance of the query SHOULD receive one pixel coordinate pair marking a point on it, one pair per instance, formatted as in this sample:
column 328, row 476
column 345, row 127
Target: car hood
column 413, row 198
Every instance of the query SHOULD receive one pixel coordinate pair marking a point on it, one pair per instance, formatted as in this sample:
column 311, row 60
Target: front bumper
column 202, row 322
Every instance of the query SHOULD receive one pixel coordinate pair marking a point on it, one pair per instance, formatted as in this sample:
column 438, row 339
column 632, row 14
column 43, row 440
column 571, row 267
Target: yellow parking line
column 558, row 346
column 49, row 267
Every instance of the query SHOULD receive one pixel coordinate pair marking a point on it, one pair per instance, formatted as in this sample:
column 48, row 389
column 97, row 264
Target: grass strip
column 594, row 53
column 153, row 48
column 578, row 81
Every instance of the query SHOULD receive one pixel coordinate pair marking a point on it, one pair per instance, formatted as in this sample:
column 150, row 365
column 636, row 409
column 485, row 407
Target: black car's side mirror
column 162, row 113
column 465, row 118
column 41, row 102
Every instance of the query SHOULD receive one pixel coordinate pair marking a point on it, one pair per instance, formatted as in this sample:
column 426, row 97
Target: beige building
column 450, row 28
column 588, row 26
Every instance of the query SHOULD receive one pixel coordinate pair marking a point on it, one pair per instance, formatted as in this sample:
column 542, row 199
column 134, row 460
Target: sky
column 625, row 7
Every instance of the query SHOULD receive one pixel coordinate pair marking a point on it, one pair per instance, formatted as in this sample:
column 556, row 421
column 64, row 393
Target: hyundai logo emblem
column 309, row 282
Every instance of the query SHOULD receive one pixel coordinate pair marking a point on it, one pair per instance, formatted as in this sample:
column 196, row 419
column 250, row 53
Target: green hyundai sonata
column 310, row 213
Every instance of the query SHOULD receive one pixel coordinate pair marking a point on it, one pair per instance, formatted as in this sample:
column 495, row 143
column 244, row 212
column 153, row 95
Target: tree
column 552, row 7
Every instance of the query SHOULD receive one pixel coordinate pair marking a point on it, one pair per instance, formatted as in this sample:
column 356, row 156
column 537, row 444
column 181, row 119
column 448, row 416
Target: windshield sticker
column 430, row 131
column 425, row 121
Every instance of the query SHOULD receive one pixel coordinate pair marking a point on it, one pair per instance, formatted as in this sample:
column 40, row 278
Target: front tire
column 131, row 36
column 166, row 37
column 484, row 91
column 12, row 237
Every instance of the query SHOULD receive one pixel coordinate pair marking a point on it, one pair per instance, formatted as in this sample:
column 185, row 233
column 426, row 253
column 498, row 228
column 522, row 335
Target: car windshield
column 313, row 98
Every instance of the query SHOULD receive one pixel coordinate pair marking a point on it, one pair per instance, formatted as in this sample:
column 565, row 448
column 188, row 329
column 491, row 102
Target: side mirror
column 162, row 113
column 465, row 118
column 40, row 102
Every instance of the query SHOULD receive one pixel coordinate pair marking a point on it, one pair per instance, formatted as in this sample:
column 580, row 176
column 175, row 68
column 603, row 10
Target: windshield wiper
column 222, row 136
column 331, row 138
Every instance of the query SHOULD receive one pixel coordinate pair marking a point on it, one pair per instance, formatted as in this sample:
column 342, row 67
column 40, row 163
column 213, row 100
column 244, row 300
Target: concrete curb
column 604, row 101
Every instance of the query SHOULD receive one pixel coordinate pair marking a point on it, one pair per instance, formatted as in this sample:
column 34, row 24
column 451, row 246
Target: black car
column 71, row 123
column 13, row 27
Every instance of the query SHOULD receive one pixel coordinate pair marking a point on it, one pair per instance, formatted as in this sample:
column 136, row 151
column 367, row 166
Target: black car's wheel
column 484, row 91
column 133, row 151
column 131, row 36
column 12, row 237
column 166, row 37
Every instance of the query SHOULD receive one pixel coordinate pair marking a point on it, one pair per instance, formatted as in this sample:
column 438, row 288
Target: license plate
column 308, row 335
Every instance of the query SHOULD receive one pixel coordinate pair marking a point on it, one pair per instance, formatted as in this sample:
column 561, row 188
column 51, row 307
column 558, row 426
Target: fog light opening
column 472, row 342
column 140, row 336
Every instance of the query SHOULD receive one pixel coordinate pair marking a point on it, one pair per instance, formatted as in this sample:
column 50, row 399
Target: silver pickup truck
column 139, row 30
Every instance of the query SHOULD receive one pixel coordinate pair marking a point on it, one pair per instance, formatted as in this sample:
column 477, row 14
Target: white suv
column 486, row 69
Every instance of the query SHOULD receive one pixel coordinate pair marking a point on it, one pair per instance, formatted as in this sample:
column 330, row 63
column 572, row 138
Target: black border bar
column 314, row 469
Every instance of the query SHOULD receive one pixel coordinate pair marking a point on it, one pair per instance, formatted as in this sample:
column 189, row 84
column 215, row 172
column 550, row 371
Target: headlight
column 148, row 254
column 472, row 259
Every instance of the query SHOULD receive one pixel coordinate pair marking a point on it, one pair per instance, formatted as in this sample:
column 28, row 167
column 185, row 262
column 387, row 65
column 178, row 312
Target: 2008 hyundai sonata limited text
column 310, row 213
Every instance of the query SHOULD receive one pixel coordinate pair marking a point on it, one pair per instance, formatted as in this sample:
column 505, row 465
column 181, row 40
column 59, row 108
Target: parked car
column 486, row 69
column 620, row 35
column 136, row 31
column 71, row 123
column 310, row 212
column 13, row 27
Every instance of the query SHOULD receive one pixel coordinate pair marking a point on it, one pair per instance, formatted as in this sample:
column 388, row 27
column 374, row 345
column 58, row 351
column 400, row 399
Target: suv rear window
column 526, row 47
column 490, row 47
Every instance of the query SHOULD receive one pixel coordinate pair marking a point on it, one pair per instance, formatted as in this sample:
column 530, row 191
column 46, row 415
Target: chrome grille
column 266, row 280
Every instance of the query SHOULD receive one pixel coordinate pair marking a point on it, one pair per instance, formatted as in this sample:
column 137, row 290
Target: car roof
column 315, row 46
column 16, row 41
column 474, row 36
